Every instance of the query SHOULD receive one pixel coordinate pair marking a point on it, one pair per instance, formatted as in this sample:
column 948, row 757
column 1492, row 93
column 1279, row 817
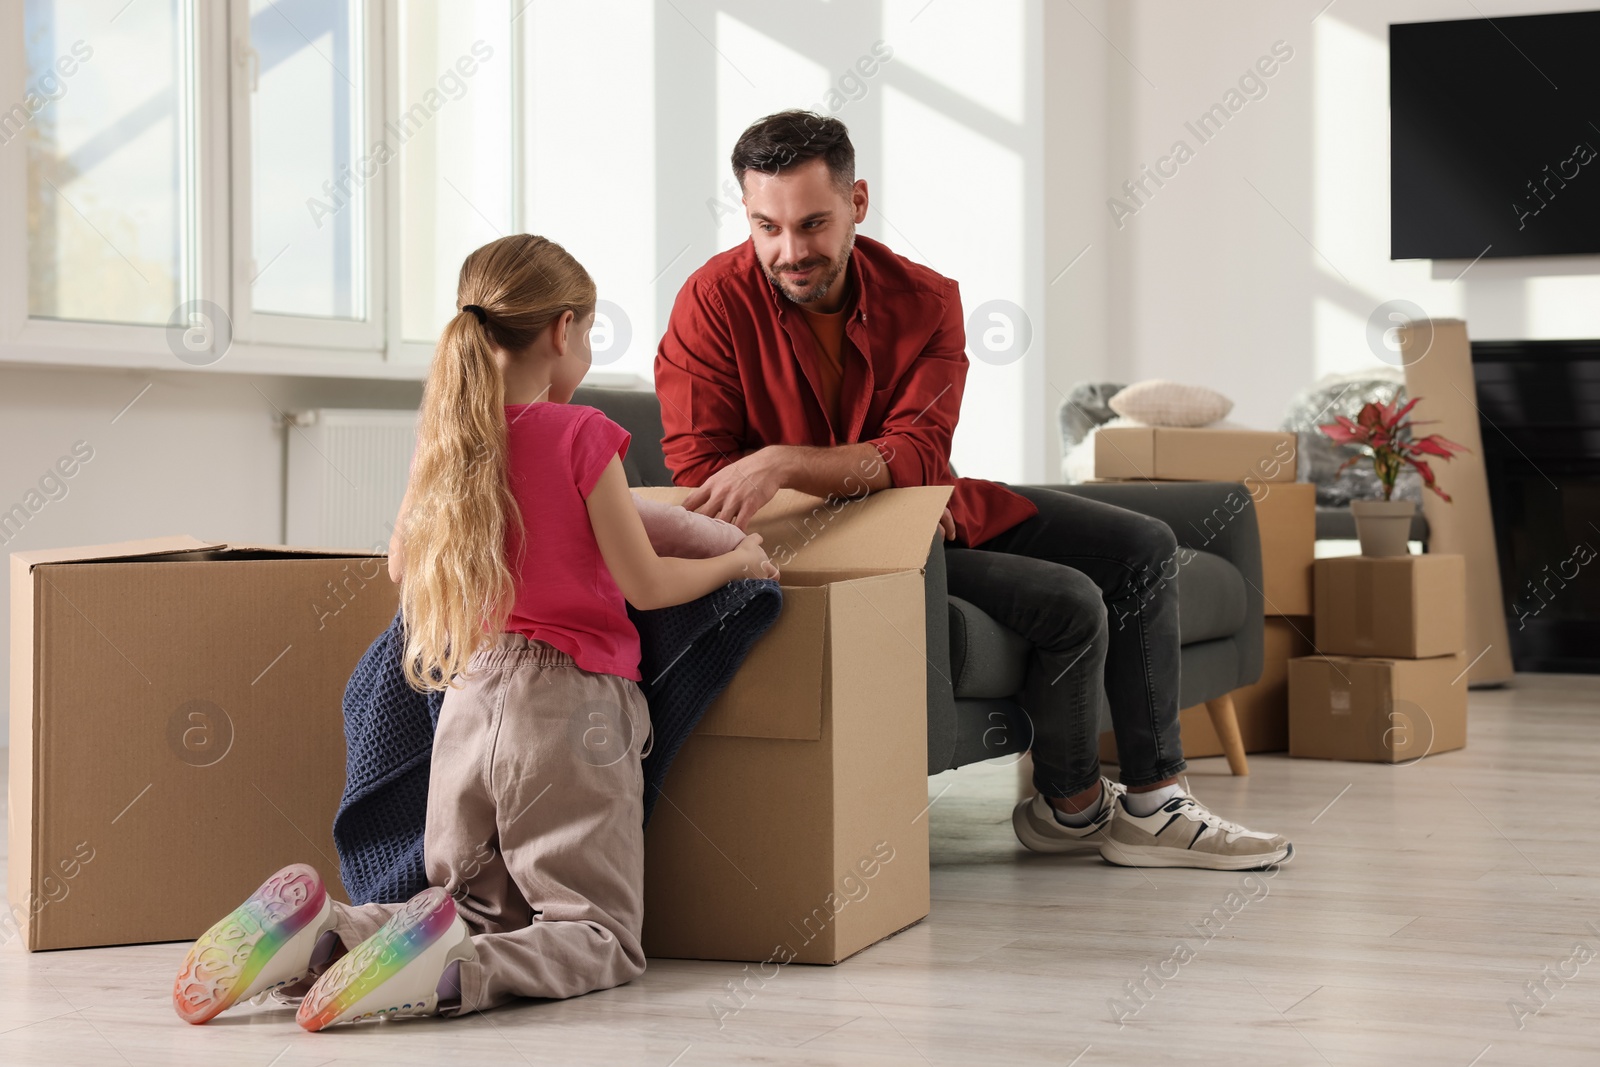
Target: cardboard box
column 1379, row 710
column 1194, row 455
column 1464, row 524
column 1406, row 606
column 1262, row 708
column 1287, row 515
column 176, row 729
column 793, row 826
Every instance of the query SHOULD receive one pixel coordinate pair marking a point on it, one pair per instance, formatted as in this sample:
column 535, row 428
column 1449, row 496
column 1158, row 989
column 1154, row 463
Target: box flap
column 150, row 546
column 814, row 541
column 301, row 551
column 777, row 691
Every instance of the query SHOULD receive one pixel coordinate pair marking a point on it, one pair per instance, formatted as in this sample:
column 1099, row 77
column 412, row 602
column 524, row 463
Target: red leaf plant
column 1383, row 433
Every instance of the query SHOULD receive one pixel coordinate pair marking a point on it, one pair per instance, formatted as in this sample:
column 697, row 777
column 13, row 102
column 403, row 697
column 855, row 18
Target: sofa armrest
column 941, row 686
column 1214, row 517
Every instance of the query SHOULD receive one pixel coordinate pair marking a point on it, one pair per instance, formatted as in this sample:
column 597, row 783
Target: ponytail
column 463, row 529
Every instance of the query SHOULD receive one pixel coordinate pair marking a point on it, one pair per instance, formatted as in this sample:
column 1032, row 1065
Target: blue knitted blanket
column 689, row 653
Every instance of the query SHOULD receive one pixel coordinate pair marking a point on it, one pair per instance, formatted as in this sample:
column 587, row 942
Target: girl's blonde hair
column 462, row 531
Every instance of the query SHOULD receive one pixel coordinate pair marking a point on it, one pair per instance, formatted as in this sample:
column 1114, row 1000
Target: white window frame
column 37, row 340
column 365, row 337
column 403, row 352
column 220, row 177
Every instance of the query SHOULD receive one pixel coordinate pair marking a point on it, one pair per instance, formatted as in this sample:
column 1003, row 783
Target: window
column 308, row 191
column 290, row 184
column 107, row 123
column 307, row 196
column 454, row 135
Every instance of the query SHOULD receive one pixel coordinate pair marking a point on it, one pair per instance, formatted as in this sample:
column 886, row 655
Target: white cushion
column 1162, row 403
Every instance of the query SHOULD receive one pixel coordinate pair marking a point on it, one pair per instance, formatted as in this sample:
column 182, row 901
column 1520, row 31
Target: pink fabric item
column 565, row 593
column 675, row 531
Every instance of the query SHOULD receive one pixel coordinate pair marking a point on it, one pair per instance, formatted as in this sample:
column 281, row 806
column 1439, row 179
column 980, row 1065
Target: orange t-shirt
column 828, row 329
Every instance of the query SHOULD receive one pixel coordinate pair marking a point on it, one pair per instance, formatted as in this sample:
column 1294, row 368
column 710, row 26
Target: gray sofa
column 976, row 666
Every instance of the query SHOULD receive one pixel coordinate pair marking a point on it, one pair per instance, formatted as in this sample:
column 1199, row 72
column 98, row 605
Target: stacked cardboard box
column 1389, row 684
column 1264, row 464
column 1185, row 454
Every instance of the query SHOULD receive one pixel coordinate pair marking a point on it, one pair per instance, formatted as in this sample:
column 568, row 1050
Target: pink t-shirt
column 565, row 592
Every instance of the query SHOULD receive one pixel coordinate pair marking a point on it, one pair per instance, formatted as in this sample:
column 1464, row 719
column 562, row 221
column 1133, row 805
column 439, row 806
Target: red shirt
column 565, row 593
column 738, row 370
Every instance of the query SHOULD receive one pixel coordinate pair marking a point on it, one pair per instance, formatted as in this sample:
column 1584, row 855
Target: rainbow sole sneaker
column 394, row 972
column 264, row 944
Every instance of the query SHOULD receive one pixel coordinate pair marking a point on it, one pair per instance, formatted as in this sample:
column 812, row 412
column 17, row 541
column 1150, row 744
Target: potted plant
column 1383, row 432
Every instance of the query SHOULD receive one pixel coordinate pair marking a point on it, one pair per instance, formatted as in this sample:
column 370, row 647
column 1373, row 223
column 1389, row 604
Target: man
column 813, row 359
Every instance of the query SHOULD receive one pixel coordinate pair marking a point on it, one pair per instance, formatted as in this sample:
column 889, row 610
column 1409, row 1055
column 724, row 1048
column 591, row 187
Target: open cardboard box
column 793, row 824
column 176, row 729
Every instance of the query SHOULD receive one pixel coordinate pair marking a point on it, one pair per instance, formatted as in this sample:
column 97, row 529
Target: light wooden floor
column 1419, row 902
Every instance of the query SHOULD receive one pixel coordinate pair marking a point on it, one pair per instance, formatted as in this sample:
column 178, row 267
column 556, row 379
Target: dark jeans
column 1092, row 587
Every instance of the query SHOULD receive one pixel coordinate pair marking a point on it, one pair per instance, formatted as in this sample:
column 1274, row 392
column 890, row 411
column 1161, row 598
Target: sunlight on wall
column 974, row 50
column 590, row 165
column 949, row 194
column 953, row 197
column 953, row 200
column 1350, row 183
column 779, row 78
column 1338, row 337
column 1562, row 307
column 1350, row 154
column 456, row 178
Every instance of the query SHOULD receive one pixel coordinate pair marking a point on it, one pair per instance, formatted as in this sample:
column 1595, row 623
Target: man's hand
column 947, row 523
column 736, row 492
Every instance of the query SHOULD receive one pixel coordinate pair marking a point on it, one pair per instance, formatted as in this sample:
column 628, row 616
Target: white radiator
column 346, row 476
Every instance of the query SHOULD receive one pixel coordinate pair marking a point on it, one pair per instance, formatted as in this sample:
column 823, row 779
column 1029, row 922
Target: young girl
column 516, row 546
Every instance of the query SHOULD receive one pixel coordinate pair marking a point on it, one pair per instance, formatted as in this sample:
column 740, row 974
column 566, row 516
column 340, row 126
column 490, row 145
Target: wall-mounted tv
column 1495, row 137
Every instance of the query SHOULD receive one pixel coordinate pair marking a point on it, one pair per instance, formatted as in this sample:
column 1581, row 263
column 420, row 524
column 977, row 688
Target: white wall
column 1255, row 268
column 197, row 453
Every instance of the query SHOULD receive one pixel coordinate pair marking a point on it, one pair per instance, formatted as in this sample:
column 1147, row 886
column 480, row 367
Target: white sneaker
column 1038, row 828
column 1184, row 833
column 264, row 944
column 394, row 972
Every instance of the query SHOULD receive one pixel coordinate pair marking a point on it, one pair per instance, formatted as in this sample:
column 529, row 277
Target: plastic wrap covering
column 1319, row 457
column 1087, row 406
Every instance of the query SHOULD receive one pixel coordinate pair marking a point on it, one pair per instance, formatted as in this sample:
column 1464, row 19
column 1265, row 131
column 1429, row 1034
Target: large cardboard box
column 1380, row 710
column 1438, row 362
column 793, row 824
column 1286, row 512
column 176, row 730
column 1262, row 708
column 1194, row 454
column 1408, row 606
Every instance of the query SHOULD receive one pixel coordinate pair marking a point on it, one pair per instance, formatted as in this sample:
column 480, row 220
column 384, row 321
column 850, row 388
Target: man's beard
column 819, row 289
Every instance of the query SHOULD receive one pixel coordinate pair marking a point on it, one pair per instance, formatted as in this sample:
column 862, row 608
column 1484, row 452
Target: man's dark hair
column 784, row 141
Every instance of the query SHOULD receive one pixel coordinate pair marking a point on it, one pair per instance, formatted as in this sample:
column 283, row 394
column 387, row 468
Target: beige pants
column 535, row 811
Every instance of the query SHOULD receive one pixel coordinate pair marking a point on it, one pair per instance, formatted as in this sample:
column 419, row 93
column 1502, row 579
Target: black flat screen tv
column 1494, row 139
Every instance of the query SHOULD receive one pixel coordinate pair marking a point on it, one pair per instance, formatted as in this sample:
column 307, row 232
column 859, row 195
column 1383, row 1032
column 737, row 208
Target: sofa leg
column 1226, row 723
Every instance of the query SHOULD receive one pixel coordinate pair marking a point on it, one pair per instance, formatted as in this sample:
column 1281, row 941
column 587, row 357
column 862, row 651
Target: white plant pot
column 1384, row 526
